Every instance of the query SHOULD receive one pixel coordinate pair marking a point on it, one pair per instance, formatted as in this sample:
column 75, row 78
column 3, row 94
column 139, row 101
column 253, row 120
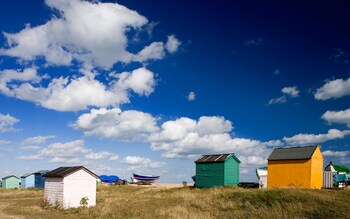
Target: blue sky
column 148, row 86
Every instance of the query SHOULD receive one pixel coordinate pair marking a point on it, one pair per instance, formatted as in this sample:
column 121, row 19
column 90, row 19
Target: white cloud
column 278, row 100
column 303, row 139
column 101, row 155
column 8, row 76
column 191, row 96
column 341, row 117
column 30, row 157
column 155, row 51
column 330, row 153
column 38, row 139
column 291, row 91
column 92, row 33
column 333, row 89
column 186, row 138
column 136, row 162
column 113, row 123
column 78, row 93
column 7, row 122
column 3, row 142
column 172, row 45
column 30, row 148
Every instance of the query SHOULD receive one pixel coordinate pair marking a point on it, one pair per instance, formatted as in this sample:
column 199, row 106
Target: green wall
column 231, row 176
column 11, row 182
column 217, row 174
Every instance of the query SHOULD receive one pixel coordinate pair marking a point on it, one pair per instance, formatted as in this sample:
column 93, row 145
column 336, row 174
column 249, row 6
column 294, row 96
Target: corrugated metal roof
column 64, row 171
column 292, row 153
column 215, row 158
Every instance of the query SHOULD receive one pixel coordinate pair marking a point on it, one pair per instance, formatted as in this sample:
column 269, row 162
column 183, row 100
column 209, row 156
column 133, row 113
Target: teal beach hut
column 10, row 182
column 217, row 170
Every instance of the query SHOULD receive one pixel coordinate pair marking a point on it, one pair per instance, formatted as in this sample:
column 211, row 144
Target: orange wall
column 317, row 169
column 296, row 173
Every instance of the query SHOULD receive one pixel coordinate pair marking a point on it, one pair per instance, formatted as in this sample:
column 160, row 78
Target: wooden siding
column 53, row 191
column 316, row 169
column 10, row 183
column 27, row 182
column 77, row 186
column 231, row 174
column 209, row 175
column 296, row 173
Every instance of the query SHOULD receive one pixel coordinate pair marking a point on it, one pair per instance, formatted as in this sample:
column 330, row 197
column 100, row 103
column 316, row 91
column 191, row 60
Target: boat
column 144, row 179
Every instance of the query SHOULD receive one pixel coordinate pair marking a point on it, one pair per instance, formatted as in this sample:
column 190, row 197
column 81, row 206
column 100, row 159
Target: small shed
column 39, row 178
column 217, row 170
column 296, row 167
column 261, row 173
column 69, row 186
column 27, row 181
column 335, row 168
column 10, row 182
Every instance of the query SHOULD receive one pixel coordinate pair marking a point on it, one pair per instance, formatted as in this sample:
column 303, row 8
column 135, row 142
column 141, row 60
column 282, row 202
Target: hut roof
column 65, row 171
column 6, row 177
column 26, row 175
column 293, row 153
column 216, row 158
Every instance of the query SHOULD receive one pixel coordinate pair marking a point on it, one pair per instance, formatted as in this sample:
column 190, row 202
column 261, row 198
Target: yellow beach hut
column 295, row 167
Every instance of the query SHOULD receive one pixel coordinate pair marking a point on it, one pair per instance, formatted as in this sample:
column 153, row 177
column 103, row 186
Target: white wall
column 53, row 190
column 77, row 186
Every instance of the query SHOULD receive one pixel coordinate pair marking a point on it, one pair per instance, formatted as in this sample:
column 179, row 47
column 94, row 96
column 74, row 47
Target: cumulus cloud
column 291, row 91
column 172, row 44
column 339, row 117
column 191, row 96
column 38, row 139
column 303, row 139
column 92, row 33
column 254, row 42
column 114, row 123
column 329, row 153
column 73, row 152
column 333, row 89
column 7, row 122
column 135, row 162
column 186, row 138
column 78, row 93
column 278, row 100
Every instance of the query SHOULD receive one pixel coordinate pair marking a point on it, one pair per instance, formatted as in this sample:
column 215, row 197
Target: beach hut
column 70, row 187
column 27, row 181
column 10, row 182
column 335, row 168
column 261, row 173
column 217, row 170
column 296, row 167
column 39, row 178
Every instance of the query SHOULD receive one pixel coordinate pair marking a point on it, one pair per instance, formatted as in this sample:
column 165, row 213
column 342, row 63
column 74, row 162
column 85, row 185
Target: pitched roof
column 292, row 153
column 65, row 171
column 6, row 177
column 26, row 175
column 216, row 158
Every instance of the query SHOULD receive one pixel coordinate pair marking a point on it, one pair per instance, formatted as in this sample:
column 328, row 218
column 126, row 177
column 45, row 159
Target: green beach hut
column 217, row 170
column 10, row 182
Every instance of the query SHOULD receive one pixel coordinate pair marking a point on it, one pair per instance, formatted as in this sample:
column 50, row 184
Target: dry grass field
column 166, row 202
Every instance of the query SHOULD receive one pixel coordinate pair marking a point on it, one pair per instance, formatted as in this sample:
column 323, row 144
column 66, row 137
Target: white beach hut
column 261, row 173
column 70, row 187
